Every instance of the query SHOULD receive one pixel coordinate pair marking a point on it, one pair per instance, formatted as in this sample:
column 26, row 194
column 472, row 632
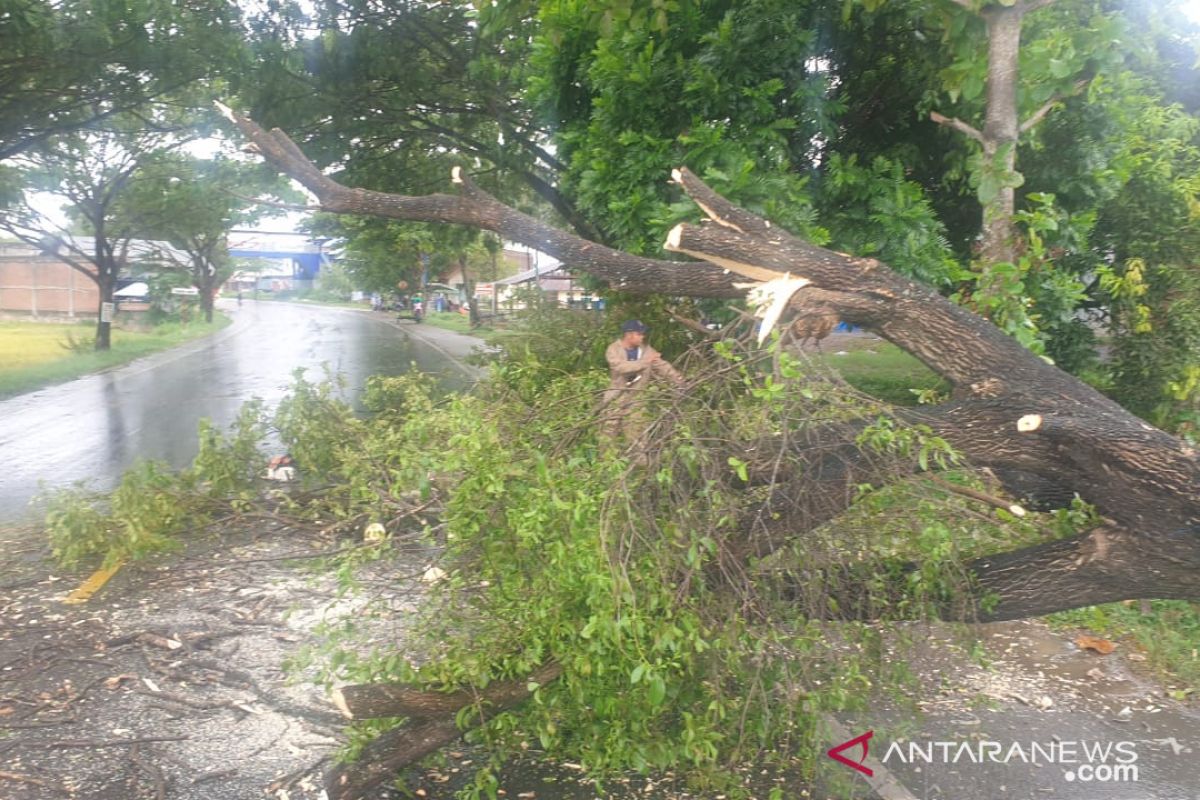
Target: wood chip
column 1101, row 646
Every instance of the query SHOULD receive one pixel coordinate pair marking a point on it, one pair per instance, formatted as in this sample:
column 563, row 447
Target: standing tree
column 94, row 171
column 193, row 204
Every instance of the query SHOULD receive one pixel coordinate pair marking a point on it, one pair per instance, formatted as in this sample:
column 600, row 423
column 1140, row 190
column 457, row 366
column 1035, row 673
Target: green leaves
column 739, row 468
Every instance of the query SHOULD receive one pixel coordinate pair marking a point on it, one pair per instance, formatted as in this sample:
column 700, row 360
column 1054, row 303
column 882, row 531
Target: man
column 632, row 365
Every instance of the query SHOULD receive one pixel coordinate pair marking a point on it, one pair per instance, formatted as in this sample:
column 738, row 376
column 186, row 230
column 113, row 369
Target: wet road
column 96, row 427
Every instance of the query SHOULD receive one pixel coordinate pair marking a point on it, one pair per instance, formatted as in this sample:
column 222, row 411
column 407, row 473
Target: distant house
column 515, row 261
column 557, row 284
column 37, row 284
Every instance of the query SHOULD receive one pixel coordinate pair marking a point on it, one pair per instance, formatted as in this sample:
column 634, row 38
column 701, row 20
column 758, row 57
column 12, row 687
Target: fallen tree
column 1010, row 408
column 1010, row 411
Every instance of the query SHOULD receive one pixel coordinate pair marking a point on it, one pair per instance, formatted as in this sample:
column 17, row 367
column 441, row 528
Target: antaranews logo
column 1083, row 760
column 835, row 753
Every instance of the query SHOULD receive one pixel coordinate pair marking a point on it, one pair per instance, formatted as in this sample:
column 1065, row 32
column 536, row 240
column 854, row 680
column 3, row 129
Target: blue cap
column 633, row 326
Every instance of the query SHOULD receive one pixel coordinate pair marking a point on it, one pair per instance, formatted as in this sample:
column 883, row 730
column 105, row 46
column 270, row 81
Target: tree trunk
column 207, row 290
column 107, row 286
column 1000, row 131
column 1001, row 128
column 469, row 289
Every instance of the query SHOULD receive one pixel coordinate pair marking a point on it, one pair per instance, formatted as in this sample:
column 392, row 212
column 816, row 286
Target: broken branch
column 375, row 700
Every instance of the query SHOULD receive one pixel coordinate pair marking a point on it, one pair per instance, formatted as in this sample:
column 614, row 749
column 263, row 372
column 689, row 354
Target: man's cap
column 633, row 326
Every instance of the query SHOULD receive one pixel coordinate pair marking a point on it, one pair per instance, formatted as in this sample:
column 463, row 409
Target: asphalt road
column 94, row 428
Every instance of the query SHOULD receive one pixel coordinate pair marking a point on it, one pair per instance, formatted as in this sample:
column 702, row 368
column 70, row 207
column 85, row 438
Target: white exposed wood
column 340, row 702
column 1029, row 422
column 675, row 235
column 226, row 111
column 771, row 298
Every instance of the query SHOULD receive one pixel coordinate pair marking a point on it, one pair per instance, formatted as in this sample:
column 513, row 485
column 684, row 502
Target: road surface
column 94, row 428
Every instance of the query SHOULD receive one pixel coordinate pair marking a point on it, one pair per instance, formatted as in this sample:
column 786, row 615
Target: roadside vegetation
column 34, row 355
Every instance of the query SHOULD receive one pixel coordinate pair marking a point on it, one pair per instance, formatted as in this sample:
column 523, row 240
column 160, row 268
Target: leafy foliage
column 620, row 564
column 69, row 65
column 152, row 505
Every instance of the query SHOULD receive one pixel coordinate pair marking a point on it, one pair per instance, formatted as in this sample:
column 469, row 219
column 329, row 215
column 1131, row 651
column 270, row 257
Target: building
column 38, row 284
column 291, row 261
column 42, row 285
column 556, row 284
column 513, row 261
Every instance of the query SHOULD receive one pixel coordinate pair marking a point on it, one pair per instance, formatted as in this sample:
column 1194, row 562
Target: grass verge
column 885, row 371
column 461, row 324
column 1168, row 636
column 36, row 354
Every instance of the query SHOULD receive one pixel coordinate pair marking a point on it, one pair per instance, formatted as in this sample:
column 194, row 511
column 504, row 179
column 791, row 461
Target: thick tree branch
column 400, row 747
column 718, row 209
column 376, row 700
column 1104, row 565
column 478, row 209
column 386, row 755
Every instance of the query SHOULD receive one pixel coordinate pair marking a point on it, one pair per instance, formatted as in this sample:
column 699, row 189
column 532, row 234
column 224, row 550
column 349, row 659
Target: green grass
column 460, row 323
column 35, row 354
column 1168, row 636
column 885, row 371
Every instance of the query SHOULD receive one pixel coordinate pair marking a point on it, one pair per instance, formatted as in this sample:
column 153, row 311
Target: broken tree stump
column 436, row 727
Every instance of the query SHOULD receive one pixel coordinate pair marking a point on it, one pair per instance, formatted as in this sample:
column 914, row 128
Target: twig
column 19, row 778
column 155, row 773
column 203, row 705
column 996, row 502
column 307, row 554
column 96, row 743
column 293, row 777
column 1038, row 115
column 205, row 777
column 957, row 124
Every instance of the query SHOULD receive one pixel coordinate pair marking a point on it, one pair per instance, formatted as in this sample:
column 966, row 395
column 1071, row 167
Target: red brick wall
column 39, row 285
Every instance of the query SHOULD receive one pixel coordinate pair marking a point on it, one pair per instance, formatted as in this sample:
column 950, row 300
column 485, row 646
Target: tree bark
column 106, row 281
column 376, row 700
column 107, row 286
column 207, row 290
column 1000, row 129
column 398, row 748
